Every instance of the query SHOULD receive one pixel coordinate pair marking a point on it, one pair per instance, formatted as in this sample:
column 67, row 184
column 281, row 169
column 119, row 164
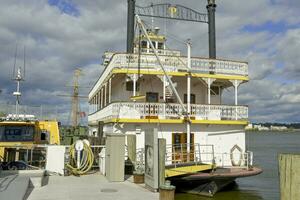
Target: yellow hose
column 86, row 160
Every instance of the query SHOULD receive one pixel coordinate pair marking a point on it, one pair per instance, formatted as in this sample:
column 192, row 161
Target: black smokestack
column 211, row 9
column 130, row 25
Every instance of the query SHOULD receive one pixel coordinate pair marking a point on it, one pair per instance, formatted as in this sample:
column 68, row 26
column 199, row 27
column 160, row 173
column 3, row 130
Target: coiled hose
column 86, row 160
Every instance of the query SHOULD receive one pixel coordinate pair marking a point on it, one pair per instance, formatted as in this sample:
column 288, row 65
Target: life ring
column 233, row 162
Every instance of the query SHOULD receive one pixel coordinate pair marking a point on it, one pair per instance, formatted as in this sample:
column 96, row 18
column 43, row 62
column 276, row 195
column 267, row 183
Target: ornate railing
column 176, row 63
column 171, row 63
column 134, row 110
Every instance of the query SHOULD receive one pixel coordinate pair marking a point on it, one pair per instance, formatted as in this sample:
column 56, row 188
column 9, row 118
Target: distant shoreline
column 277, row 131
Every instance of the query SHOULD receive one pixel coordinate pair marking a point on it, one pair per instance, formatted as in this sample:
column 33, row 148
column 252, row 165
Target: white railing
column 166, row 52
column 172, row 63
column 176, row 154
column 41, row 112
column 241, row 159
column 134, row 110
column 176, row 63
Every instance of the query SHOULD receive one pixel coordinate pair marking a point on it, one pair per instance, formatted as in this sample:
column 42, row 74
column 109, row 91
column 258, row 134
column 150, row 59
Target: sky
column 62, row 35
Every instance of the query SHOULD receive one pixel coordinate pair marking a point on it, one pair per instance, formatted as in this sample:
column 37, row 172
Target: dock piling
column 167, row 191
column 289, row 174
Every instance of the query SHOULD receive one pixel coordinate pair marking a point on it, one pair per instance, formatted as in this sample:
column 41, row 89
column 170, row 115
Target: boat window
column 193, row 98
column 154, row 44
column 11, row 133
column 129, row 86
column 160, row 45
column 44, row 135
column 144, row 44
column 152, row 97
column 170, row 100
column 214, row 90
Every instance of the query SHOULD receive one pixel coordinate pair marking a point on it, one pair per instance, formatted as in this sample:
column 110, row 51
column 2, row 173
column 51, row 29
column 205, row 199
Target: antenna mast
column 17, row 93
column 18, row 78
column 75, row 101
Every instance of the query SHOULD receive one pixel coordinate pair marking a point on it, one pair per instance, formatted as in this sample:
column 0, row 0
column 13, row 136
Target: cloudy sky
column 62, row 35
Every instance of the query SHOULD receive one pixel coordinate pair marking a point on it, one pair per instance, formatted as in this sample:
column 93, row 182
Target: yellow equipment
column 86, row 160
column 18, row 135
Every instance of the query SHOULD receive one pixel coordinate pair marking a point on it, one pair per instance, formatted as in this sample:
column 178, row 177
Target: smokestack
column 211, row 9
column 130, row 25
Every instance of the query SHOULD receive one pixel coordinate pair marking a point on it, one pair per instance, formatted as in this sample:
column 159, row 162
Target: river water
column 266, row 146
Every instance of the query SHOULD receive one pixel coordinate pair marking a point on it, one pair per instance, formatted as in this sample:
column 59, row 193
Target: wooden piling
column 167, row 191
column 289, row 174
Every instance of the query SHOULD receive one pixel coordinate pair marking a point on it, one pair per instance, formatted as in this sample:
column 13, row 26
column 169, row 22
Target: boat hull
column 210, row 182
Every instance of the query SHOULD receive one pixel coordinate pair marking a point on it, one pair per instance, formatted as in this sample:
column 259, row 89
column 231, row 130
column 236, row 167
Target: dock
column 90, row 187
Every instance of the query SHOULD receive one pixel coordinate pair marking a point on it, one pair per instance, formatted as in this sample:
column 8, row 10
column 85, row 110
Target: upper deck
column 174, row 64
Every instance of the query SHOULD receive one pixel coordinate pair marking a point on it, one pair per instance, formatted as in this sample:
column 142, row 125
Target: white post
column 235, row 92
column 164, row 94
column 101, row 98
column 188, row 124
column 105, row 91
column 208, row 91
column 109, row 91
column 96, row 105
column 134, row 85
column 235, row 97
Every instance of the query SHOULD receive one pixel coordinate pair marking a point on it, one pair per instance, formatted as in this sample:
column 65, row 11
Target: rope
column 86, row 161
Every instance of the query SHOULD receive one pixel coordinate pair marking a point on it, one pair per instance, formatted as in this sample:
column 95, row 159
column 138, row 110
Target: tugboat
column 150, row 86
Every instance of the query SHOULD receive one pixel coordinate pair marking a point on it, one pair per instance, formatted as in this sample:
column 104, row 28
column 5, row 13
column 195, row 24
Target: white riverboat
column 182, row 97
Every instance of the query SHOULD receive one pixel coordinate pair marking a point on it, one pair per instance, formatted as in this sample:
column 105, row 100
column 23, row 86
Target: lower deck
column 223, row 145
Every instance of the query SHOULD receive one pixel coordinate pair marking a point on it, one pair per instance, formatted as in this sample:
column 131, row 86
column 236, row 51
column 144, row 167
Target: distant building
column 261, row 127
column 249, row 127
column 278, row 128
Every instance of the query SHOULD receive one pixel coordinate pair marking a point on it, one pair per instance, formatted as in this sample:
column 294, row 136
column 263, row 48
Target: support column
column 101, row 98
column 235, row 92
column 164, row 81
column 97, row 102
column 164, row 88
column 188, row 124
column 208, row 81
column 236, row 84
column 134, row 85
column 208, row 91
column 105, row 94
column 164, row 94
column 109, row 91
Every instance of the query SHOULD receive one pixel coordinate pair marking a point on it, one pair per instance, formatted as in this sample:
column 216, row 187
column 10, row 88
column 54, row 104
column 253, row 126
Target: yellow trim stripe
column 200, row 75
column 177, row 121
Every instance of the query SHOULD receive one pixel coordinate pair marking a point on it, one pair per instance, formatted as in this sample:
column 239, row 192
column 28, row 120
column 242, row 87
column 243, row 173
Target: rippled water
column 266, row 147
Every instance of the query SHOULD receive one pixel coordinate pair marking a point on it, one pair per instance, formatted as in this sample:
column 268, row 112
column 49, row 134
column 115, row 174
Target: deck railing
column 176, row 63
column 134, row 110
column 172, row 63
column 42, row 112
column 177, row 154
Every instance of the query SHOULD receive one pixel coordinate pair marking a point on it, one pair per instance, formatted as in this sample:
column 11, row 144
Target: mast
column 75, row 101
column 17, row 93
